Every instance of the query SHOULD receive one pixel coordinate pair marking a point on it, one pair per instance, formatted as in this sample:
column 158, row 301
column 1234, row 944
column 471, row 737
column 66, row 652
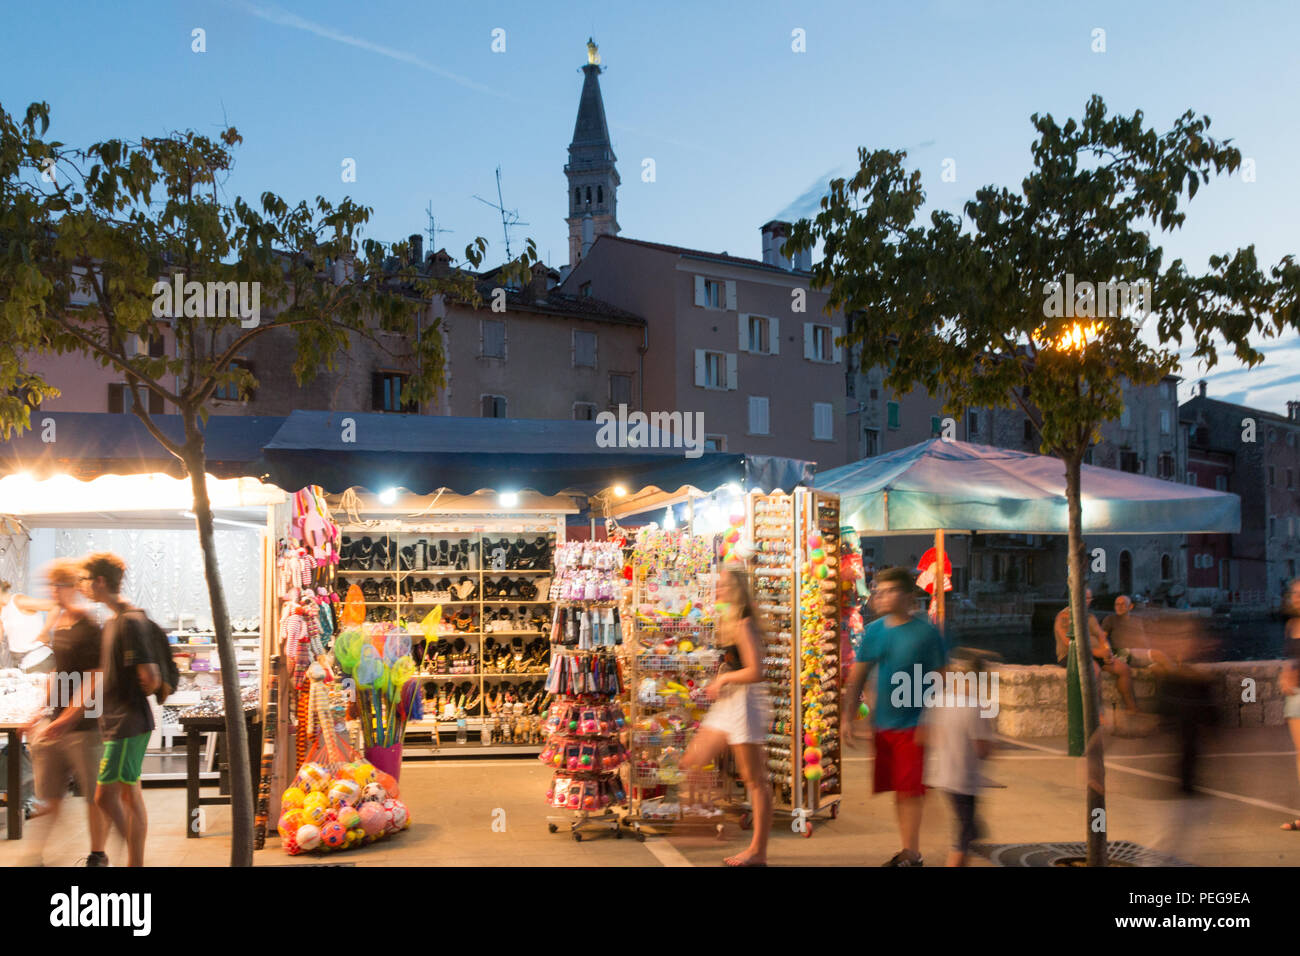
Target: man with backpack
column 132, row 668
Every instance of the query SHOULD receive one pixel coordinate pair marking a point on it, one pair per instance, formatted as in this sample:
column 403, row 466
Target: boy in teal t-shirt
column 904, row 650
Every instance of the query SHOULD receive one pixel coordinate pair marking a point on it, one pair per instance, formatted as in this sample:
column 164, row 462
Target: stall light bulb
column 670, row 523
column 388, row 496
column 619, row 491
column 508, row 499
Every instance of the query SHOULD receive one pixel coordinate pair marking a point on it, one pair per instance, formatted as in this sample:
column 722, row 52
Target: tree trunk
column 1095, row 822
column 241, row 782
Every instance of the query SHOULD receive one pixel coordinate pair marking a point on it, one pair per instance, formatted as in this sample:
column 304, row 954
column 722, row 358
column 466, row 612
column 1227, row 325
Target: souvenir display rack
column 796, row 536
column 670, row 661
column 486, row 655
column 584, row 723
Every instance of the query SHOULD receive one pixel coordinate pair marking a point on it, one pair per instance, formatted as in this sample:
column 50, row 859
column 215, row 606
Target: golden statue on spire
column 593, row 57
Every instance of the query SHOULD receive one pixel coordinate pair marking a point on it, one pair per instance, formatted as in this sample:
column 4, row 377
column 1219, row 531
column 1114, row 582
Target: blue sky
column 740, row 127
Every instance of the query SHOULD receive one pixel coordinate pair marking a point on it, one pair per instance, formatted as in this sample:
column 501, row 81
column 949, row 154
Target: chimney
column 344, row 269
column 1293, row 411
column 774, row 234
column 441, row 263
column 588, row 234
column 417, row 249
column 1200, row 388
column 538, row 283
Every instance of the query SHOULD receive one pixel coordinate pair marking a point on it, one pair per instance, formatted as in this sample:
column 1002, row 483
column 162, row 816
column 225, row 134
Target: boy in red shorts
column 904, row 649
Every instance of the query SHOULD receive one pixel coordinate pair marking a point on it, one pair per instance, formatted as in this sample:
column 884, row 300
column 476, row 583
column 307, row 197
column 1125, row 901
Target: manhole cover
column 1118, row 853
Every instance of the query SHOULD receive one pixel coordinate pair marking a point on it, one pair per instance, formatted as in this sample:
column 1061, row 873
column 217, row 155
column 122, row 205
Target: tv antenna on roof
column 434, row 228
column 509, row 217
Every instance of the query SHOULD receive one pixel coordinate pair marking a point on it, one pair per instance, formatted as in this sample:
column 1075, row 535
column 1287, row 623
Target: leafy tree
column 119, row 221
column 975, row 308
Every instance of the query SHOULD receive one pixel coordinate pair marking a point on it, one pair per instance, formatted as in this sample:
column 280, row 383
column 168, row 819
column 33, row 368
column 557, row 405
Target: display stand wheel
column 577, row 837
column 552, row 827
column 746, row 820
column 640, row 837
column 835, row 809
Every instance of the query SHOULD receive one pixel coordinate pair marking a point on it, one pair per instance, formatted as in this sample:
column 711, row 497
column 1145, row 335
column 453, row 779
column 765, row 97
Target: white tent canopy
column 958, row 486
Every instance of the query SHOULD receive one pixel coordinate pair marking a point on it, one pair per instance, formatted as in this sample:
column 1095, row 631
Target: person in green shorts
column 130, row 676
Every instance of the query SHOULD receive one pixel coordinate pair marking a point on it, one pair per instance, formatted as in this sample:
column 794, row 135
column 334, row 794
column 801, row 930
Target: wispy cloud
column 274, row 14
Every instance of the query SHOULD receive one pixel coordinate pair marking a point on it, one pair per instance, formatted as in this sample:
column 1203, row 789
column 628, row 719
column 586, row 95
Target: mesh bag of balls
column 349, row 807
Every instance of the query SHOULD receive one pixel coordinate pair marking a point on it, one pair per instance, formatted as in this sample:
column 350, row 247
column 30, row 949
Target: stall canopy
column 426, row 453
column 958, row 486
column 86, row 445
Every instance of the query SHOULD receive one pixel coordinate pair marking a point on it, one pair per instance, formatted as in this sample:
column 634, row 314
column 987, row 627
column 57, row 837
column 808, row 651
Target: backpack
column 161, row 649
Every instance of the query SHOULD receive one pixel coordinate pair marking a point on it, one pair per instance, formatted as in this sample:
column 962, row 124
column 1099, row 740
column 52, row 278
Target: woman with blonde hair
column 740, row 715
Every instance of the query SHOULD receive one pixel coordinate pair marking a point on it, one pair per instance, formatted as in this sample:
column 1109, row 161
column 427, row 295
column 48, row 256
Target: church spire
column 591, row 173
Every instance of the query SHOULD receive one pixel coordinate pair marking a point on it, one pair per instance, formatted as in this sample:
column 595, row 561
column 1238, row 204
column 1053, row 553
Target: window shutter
column 155, row 402
column 699, row 291
column 116, row 399
column 774, row 336
column 758, row 415
column 808, row 341
column 731, row 371
column 837, row 352
column 377, row 391
column 699, row 367
column 731, row 296
column 744, row 331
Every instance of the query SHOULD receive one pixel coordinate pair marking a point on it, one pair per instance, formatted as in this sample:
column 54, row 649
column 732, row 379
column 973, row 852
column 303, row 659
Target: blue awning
column 86, row 445
column 426, row 453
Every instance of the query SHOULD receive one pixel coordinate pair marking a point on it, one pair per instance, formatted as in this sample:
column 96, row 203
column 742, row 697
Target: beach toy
column 389, row 783
column 334, row 835
column 397, row 647
column 292, row 799
column 372, row 818
column 347, row 646
column 349, row 818
column 362, row 772
column 369, row 666
column 314, row 806
column 312, row 777
column 373, row 792
column 344, row 791
column 401, row 816
column 308, row 837
column 289, row 823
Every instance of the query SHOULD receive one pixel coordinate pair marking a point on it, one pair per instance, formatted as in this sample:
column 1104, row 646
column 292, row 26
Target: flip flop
column 1293, row 825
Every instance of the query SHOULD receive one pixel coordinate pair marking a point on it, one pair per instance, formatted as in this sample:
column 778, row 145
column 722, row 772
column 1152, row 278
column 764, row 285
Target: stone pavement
column 1250, row 774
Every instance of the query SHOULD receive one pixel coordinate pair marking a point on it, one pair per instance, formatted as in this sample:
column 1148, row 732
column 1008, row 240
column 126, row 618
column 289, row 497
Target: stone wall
column 1031, row 699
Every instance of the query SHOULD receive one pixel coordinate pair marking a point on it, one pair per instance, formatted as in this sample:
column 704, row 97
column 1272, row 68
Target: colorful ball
column 811, row 755
column 388, row 782
column 292, row 798
column 362, row 772
column 809, row 740
column 312, row 777
column 349, row 818
column 333, row 835
column 373, row 793
column 372, row 818
column 308, row 837
column 401, row 816
column 813, row 772
column 314, row 806
column 344, row 792
column 289, row 822
column 823, row 571
column 291, row 844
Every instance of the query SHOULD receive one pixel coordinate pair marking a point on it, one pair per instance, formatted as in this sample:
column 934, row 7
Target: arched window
column 588, row 195
column 600, row 195
column 577, row 195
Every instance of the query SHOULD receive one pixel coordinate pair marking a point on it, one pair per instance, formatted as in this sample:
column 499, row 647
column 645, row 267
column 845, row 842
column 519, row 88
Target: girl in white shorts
column 741, row 713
